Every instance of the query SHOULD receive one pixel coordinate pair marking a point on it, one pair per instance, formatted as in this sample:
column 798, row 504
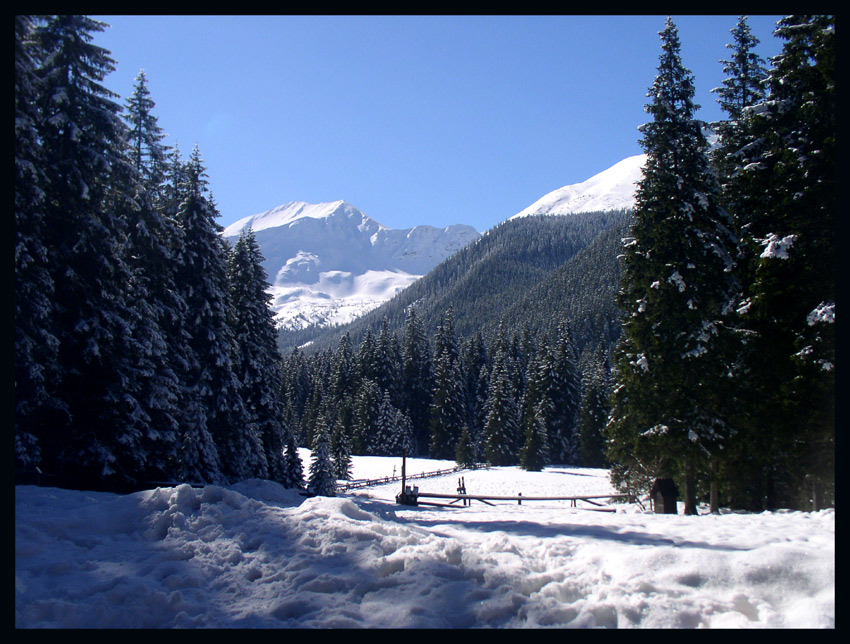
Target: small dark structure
column 407, row 496
column 664, row 494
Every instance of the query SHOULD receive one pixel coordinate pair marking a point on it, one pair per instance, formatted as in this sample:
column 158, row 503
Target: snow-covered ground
column 257, row 555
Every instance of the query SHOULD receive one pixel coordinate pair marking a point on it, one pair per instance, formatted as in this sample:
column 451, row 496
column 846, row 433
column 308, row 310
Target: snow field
column 258, row 555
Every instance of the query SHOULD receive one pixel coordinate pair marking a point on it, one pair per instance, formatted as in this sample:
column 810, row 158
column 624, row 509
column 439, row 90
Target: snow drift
column 260, row 556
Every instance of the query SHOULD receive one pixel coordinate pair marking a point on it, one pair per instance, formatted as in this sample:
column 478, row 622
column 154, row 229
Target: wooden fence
column 354, row 485
column 414, row 499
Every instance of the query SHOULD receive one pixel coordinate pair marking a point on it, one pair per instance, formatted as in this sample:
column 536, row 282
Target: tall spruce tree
column 562, row 381
column 101, row 360
column 322, row 480
column 501, row 431
column 448, row 406
column 534, row 455
column 217, row 448
column 676, row 289
column 416, row 378
column 148, row 153
column 36, row 345
column 293, row 466
column 153, row 248
column 258, row 364
column 782, row 192
column 594, row 411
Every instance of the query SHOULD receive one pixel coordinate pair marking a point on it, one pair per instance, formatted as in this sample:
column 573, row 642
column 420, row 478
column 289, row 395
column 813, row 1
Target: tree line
column 725, row 373
column 145, row 349
column 522, row 398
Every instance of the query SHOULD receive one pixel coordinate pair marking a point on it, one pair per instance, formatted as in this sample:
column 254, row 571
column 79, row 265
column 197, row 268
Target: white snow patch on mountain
column 612, row 189
column 330, row 263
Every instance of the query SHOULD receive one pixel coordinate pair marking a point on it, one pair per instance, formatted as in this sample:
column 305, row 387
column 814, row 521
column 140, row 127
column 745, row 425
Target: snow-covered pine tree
column 475, row 369
column 258, row 363
column 448, row 406
column 594, row 411
column 343, row 380
column 501, row 431
column 340, row 450
column 36, row 346
column 534, row 454
column 148, row 154
column 211, row 382
column 153, row 249
column 416, row 379
column 782, row 193
column 367, row 404
column 562, row 379
column 321, row 481
column 392, row 429
column 292, row 465
column 100, row 441
column 465, row 449
column 388, row 363
column 676, row 289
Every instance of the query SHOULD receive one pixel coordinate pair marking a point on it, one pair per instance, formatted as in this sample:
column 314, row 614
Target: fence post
column 519, row 499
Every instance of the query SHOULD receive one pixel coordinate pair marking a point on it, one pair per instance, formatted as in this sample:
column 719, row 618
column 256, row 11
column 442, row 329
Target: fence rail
column 353, row 485
column 519, row 498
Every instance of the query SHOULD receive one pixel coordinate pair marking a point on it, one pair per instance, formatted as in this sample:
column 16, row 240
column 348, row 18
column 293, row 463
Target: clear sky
column 412, row 119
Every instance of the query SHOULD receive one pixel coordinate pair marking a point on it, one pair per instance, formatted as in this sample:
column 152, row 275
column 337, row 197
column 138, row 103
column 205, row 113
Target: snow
column 612, row 189
column 776, row 246
column 330, row 263
column 257, row 555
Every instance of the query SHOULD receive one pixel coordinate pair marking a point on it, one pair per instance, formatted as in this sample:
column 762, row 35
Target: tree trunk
column 690, row 488
column 816, row 500
column 714, row 493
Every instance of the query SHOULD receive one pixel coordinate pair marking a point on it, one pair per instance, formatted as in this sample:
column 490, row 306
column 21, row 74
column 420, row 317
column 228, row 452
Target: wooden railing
column 353, row 485
column 519, row 498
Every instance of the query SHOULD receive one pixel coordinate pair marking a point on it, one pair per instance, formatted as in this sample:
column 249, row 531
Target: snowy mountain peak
column 289, row 213
column 329, row 263
column 611, row 189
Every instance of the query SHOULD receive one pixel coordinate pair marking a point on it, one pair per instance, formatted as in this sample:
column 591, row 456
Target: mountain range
column 329, row 264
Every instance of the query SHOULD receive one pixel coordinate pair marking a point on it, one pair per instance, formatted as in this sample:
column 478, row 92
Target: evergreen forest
column 690, row 338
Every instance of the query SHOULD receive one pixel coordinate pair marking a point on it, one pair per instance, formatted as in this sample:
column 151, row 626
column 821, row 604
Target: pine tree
column 448, row 406
column 293, row 467
column 676, row 289
column 465, row 450
column 782, row 192
column 392, row 429
column 211, row 381
column 501, row 425
column 87, row 190
column 36, row 346
column 154, row 245
column 322, row 481
column 340, row 449
column 561, row 381
column 258, row 363
column 475, row 362
column 416, row 378
column 594, row 413
column 367, row 404
column 534, row 455
column 148, row 154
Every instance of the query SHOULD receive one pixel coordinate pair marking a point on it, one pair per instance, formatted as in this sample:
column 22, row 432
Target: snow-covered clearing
column 257, row 555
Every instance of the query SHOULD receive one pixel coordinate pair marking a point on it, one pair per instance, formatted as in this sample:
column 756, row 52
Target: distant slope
column 536, row 270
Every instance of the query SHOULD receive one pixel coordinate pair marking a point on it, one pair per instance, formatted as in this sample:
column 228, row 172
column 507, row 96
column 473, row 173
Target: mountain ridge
column 328, row 263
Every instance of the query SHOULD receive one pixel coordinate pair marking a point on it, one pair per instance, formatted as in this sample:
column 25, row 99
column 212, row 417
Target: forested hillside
column 530, row 272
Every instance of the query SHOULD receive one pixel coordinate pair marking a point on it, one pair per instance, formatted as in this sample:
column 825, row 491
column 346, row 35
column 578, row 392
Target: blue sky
column 413, row 119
